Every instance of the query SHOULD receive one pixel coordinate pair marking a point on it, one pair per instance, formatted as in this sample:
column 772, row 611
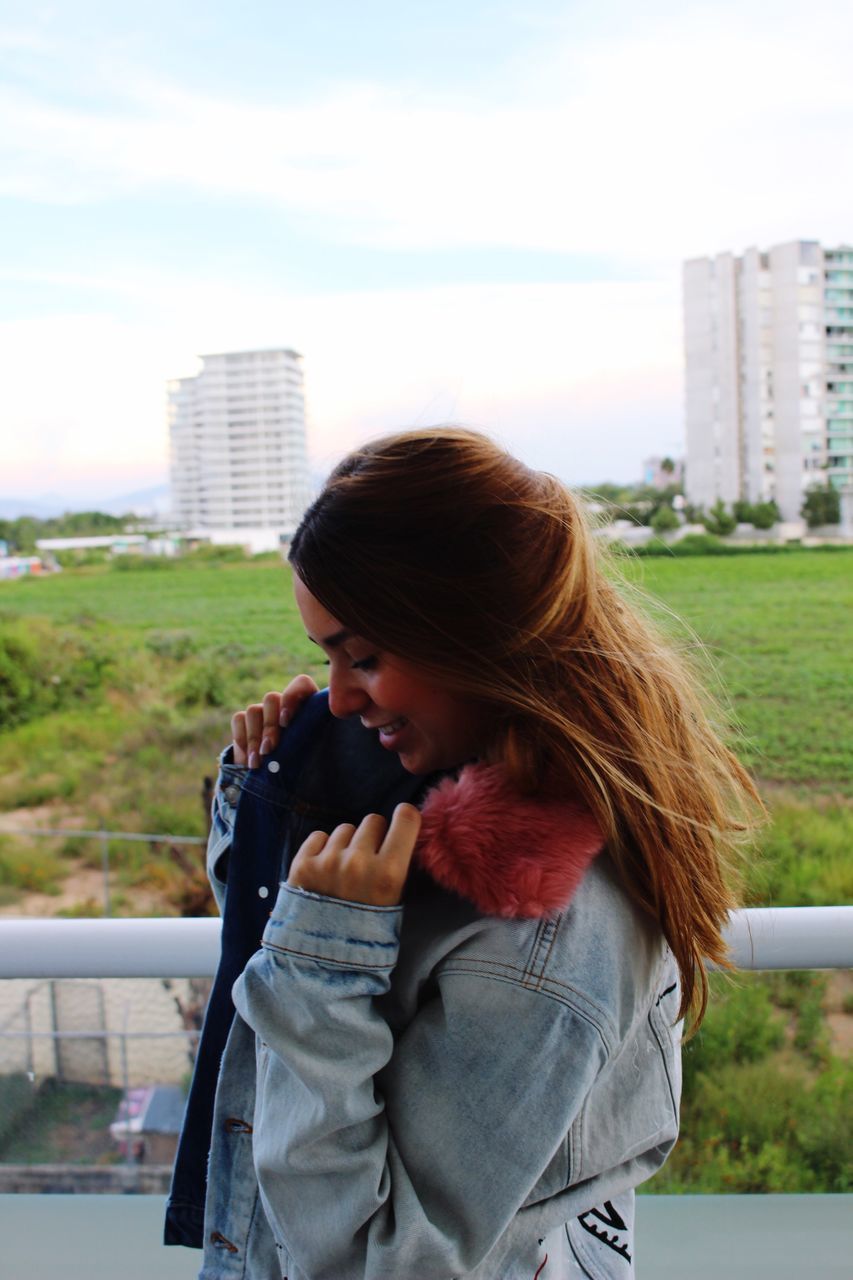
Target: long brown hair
column 440, row 547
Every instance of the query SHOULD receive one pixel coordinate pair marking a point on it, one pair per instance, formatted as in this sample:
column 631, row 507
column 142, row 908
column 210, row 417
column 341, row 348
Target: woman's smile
column 428, row 727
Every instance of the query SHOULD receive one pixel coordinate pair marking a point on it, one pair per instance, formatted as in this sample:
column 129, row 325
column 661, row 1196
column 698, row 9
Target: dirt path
column 81, row 889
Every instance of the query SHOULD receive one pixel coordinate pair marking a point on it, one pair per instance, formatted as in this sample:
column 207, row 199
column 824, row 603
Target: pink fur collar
column 511, row 855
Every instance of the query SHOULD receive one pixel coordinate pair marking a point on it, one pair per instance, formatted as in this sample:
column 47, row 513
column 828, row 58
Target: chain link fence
column 93, row 1078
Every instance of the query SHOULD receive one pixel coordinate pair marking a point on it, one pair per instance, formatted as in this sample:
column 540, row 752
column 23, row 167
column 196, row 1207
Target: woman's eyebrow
column 337, row 637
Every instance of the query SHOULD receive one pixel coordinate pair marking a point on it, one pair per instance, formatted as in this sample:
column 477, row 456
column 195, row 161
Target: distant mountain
column 143, row 502
column 43, row 508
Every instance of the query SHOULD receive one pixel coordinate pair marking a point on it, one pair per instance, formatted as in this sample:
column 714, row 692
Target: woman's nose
column 346, row 697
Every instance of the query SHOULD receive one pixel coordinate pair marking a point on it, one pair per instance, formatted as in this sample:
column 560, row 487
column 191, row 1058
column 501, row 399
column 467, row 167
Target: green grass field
column 128, row 666
column 779, row 630
column 115, row 694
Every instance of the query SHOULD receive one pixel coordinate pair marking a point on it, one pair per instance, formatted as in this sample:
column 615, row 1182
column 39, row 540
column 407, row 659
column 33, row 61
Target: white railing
column 759, row 938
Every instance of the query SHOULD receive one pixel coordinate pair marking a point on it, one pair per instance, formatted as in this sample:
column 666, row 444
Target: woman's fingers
column 314, row 844
column 271, row 709
column 239, row 737
column 399, row 843
column 254, row 733
column 368, row 864
column 257, row 730
column 298, row 691
column 368, row 838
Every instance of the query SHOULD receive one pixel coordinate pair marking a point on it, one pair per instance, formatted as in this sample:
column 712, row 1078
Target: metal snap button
column 273, row 766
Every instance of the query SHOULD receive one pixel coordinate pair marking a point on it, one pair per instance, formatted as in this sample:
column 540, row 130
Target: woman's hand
column 367, row 864
column 256, row 730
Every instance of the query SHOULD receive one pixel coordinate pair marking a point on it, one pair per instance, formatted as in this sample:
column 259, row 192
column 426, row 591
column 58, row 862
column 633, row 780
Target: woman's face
column 428, row 727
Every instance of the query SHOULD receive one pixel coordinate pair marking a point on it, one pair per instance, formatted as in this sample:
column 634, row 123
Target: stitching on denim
column 532, row 963
column 584, row 1014
column 514, row 974
column 311, row 955
column 552, row 938
column 577, row 1156
column 298, row 894
column 252, row 1216
column 653, row 1015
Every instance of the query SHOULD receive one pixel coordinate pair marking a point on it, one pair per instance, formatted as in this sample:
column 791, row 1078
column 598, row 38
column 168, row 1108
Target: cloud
column 556, row 369
column 687, row 134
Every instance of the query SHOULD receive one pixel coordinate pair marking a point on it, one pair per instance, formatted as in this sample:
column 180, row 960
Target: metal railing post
column 105, row 865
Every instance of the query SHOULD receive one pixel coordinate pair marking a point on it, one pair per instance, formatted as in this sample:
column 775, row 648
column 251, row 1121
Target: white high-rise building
column 237, row 437
column 769, row 373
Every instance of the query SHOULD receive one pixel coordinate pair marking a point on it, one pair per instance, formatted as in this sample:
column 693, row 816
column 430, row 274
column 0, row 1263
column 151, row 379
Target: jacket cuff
column 351, row 935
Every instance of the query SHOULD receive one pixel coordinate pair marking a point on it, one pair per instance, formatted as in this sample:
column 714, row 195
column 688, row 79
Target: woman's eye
column 364, row 664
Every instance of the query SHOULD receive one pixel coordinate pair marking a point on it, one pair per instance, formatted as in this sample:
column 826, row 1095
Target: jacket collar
column 511, row 855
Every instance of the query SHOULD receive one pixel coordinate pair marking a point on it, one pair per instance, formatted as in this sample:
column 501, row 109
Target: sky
column 456, row 211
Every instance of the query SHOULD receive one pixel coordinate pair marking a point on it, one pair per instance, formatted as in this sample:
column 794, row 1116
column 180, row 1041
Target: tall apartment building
column 769, row 373
column 237, row 437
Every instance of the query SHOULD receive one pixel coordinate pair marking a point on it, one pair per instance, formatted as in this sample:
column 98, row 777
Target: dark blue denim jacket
column 346, row 774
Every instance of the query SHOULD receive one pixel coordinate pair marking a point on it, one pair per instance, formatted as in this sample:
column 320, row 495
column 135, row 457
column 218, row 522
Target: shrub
column 208, row 553
column 44, row 667
column 765, row 515
column 23, row 867
column 665, row 520
column 763, row 1127
column 718, row 520
column 821, row 505
column 692, row 544
column 803, row 857
column 206, row 683
column 741, row 1026
column 134, row 563
column 175, row 645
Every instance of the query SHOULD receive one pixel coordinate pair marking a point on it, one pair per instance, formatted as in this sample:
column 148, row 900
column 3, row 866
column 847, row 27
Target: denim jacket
column 417, row 1091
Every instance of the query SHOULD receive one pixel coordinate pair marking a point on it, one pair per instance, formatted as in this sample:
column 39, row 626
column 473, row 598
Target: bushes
column 755, row 1116
column 741, row 1026
column 132, row 562
column 803, row 857
column 28, row 867
column 173, row 645
column 822, row 505
column 763, row 1128
column 719, row 521
column 764, row 515
column 665, row 520
column 44, row 667
column 692, row 544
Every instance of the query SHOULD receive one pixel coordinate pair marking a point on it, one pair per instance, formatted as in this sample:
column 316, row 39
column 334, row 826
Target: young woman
column 456, row 1052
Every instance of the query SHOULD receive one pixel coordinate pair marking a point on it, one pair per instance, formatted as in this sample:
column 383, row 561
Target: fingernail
column 254, row 760
column 284, row 717
column 265, row 747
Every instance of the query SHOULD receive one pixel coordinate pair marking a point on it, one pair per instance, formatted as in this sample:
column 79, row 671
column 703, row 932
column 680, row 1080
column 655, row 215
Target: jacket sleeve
column 377, row 1159
column 222, row 814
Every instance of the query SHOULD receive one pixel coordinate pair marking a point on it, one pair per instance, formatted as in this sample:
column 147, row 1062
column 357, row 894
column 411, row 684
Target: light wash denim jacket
column 424, row 1091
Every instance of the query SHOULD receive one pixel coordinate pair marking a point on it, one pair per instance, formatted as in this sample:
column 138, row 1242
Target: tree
column 764, row 515
column 718, row 520
column 821, row 505
column 664, row 519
